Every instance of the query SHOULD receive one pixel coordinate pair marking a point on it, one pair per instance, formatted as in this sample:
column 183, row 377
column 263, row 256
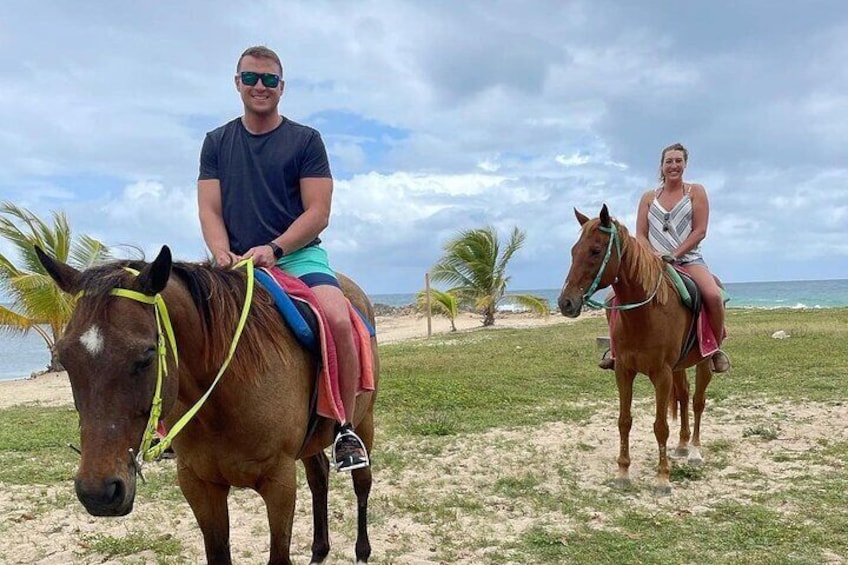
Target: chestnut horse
column 652, row 324
column 252, row 427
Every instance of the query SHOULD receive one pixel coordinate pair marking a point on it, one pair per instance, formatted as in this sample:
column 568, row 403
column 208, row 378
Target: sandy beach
column 53, row 389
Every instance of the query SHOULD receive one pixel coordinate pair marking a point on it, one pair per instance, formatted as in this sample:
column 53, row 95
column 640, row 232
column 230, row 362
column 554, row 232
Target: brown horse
column 648, row 335
column 250, row 431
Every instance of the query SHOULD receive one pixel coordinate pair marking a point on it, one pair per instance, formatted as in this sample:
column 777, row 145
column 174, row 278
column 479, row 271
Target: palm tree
column 38, row 303
column 443, row 303
column 474, row 263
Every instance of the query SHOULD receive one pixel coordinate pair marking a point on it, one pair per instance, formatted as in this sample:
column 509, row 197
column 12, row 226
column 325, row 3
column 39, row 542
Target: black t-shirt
column 260, row 177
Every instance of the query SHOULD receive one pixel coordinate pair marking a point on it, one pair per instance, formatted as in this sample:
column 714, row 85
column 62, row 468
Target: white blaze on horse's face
column 92, row 340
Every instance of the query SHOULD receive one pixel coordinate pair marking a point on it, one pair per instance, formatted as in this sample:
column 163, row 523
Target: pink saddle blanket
column 329, row 396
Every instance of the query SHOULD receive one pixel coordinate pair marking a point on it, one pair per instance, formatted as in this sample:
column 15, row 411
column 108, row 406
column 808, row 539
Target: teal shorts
column 309, row 264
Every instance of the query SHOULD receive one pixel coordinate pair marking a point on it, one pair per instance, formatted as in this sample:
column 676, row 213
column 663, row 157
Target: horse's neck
column 188, row 329
column 628, row 288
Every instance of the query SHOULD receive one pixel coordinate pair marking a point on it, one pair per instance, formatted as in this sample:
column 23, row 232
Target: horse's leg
column 362, row 487
column 703, row 376
column 624, row 382
column 318, row 476
column 208, row 501
column 662, row 386
column 681, row 397
column 279, row 492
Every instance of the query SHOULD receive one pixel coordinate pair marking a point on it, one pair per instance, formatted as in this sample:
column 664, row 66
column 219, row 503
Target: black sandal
column 607, row 361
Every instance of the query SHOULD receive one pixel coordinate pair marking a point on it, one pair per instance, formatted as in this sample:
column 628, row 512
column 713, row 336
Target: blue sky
column 443, row 116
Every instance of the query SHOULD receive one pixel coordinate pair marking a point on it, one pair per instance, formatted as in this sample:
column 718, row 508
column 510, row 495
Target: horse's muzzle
column 110, row 497
column 569, row 306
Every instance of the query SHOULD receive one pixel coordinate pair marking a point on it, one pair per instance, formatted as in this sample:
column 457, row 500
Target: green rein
column 587, row 296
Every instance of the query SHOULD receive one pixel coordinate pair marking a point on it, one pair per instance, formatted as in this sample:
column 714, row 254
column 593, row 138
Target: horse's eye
column 595, row 252
column 145, row 361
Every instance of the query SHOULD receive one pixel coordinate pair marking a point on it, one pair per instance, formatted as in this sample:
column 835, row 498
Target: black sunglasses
column 666, row 222
column 269, row 80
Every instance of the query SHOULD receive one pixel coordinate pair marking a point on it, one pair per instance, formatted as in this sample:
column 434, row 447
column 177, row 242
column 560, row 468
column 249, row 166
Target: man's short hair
column 260, row 52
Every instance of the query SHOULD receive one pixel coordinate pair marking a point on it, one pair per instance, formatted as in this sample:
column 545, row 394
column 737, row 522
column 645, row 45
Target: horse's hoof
column 680, row 452
column 662, row 490
column 695, row 461
column 622, row 484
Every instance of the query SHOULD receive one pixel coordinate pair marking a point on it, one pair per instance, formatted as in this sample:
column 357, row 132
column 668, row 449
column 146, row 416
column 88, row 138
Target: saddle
column 690, row 296
column 300, row 311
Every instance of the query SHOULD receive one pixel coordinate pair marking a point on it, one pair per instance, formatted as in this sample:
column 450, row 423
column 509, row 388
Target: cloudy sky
column 441, row 116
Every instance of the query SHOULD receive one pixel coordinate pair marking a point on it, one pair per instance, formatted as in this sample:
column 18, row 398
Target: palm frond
column 87, row 252
column 443, row 303
column 36, row 299
column 14, row 322
column 534, row 304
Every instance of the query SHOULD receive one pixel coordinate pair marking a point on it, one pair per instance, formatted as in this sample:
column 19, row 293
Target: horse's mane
column 218, row 295
column 642, row 265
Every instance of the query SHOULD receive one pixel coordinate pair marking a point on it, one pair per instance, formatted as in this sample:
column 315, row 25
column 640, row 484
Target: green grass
column 165, row 548
column 34, row 445
column 450, row 396
column 465, row 383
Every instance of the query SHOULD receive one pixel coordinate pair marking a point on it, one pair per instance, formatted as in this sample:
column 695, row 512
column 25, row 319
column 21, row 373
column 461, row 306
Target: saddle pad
column 679, row 285
column 294, row 292
column 303, row 330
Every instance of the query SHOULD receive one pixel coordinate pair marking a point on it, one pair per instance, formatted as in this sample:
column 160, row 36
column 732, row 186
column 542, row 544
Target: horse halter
column 587, row 296
column 147, row 451
column 614, row 238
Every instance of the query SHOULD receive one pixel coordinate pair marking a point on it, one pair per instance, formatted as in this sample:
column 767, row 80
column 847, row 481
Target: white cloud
column 498, row 114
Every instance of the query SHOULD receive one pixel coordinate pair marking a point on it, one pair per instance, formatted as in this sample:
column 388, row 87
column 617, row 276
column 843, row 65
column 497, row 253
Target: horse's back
column 356, row 296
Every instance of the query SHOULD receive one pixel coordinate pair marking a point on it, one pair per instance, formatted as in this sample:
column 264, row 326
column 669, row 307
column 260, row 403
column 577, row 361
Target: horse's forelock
column 97, row 283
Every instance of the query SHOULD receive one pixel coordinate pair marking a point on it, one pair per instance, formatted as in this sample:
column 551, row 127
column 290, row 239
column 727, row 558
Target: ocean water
column 20, row 356
column 785, row 294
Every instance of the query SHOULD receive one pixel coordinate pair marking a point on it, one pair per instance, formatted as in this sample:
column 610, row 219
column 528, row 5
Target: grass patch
column 768, row 433
column 33, row 445
column 165, row 548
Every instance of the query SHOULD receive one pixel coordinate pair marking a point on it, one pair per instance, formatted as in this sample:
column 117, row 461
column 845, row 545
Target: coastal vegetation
column 518, row 429
column 37, row 303
column 474, row 265
column 441, row 303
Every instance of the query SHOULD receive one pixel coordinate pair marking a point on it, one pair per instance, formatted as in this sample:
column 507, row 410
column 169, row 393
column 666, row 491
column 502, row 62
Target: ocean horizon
column 23, row 355
column 832, row 293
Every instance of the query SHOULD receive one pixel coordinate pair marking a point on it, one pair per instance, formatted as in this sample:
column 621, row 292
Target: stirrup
column 347, row 432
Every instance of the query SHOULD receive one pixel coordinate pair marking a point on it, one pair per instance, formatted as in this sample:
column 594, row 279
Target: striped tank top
column 667, row 229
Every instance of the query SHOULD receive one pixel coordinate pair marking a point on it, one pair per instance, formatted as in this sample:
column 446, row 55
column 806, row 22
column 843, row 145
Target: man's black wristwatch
column 278, row 251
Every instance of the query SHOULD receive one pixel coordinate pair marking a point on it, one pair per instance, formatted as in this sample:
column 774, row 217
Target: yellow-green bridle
column 165, row 336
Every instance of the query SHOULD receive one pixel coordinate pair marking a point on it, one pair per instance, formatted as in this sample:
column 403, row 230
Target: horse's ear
column 605, row 217
column 580, row 217
column 65, row 276
column 153, row 278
